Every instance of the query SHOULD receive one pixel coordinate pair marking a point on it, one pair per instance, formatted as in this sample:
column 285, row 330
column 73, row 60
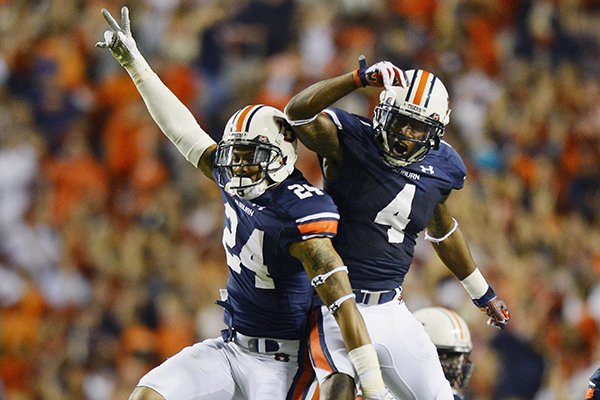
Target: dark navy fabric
column 269, row 293
column 383, row 208
column 593, row 391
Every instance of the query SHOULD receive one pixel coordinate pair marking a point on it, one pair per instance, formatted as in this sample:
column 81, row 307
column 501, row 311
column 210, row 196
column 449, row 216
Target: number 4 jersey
column 268, row 289
column 382, row 208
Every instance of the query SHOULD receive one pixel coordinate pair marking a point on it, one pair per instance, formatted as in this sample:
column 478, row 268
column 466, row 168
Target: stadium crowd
column 110, row 253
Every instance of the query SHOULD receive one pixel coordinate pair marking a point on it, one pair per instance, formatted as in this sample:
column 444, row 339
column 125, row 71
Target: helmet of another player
column 257, row 151
column 450, row 334
column 409, row 121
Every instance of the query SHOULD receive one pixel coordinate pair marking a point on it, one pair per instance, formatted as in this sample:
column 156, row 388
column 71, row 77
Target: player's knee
column 338, row 386
column 144, row 393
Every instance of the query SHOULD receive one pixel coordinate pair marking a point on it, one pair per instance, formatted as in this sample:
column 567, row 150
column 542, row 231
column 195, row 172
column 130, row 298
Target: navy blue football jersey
column 268, row 289
column 593, row 391
column 382, row 208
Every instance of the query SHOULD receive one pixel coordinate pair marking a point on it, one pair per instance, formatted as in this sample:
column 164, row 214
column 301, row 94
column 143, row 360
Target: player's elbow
column 294, row 110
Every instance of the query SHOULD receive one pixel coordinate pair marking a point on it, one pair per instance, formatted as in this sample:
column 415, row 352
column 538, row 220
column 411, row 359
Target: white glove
column 119, row 40
column 381, row 74
column 173, row 118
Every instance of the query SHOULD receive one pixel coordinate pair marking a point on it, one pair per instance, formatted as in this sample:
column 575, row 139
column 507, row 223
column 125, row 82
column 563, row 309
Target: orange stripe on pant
column 306, row 379
column 316, row 351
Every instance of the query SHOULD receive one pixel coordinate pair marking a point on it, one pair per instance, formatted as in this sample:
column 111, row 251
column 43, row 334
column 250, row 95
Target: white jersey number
column 304, row 191
column 251, row 254
column 395, row 215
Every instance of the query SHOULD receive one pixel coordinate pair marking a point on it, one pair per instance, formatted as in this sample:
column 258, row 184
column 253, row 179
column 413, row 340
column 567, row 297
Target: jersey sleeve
column 353, row 130
column 455, row 166
column 310, row 212
column 593, row 391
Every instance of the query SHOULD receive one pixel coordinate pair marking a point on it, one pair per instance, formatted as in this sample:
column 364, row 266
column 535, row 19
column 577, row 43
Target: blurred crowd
column 110, row 249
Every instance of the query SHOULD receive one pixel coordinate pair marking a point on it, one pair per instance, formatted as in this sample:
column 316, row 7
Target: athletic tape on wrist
column 446, row 236
column 475, row 284
column 320, row 279
column 365, row 362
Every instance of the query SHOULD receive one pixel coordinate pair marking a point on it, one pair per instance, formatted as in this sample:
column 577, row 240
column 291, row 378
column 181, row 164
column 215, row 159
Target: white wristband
column 320, row 279
column 333, row 307
column 475, row 284
column 300, row 122
column 446, row 236
column 366, row 364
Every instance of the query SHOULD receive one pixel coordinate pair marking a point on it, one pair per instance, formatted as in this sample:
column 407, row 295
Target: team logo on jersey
column 428, row 169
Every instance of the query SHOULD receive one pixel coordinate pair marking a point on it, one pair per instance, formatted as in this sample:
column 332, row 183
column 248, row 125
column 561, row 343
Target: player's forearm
column 318, row 96
column 350, row 321
column 455, row 254
column 170, row 114
column 352, row 326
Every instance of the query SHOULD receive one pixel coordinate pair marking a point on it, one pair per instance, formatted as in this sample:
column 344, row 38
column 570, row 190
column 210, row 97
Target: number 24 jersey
column 268, row 288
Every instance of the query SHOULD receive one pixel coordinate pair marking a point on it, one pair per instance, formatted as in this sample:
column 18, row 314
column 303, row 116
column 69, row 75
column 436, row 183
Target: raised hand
column 494, row 308
column 381, row 74
column 118, row 39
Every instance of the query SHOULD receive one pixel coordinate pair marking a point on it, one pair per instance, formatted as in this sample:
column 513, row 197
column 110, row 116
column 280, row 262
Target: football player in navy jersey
column 390, row 178
column 593, row 390
column 277, row 238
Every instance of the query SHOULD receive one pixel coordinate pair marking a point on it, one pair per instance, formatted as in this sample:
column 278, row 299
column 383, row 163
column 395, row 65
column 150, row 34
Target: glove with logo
column 381, row 74
column 119, row 40
column 494, row 308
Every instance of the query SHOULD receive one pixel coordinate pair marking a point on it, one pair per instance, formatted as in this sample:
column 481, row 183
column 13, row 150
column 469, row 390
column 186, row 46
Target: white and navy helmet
column 423, row 103
column 262, row 130
column 451, row 336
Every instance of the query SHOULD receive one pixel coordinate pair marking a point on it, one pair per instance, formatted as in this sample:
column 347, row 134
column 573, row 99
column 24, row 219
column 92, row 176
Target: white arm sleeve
column 170, row 114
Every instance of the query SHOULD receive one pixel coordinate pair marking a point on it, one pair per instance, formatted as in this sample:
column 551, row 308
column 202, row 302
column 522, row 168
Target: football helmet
column 257, row 151
column 452, row 338
column 423, row 105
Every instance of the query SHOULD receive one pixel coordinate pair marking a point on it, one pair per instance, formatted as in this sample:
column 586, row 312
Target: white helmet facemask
column 422, row 107
column 257, row 152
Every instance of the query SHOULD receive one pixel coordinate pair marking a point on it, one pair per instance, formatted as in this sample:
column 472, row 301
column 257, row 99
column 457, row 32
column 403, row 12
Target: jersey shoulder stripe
column 326, row 228
column 318, row 216
column 334, row 118
column 320, row 224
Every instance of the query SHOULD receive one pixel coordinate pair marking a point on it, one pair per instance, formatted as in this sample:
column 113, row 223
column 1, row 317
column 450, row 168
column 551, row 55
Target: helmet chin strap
column 244, row 188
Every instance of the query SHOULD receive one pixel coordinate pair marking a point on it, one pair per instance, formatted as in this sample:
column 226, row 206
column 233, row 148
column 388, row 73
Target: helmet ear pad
column 262, row 128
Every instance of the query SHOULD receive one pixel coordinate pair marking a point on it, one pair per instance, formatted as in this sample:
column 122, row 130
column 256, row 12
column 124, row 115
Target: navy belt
column 371, row 298
column 267, row 345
